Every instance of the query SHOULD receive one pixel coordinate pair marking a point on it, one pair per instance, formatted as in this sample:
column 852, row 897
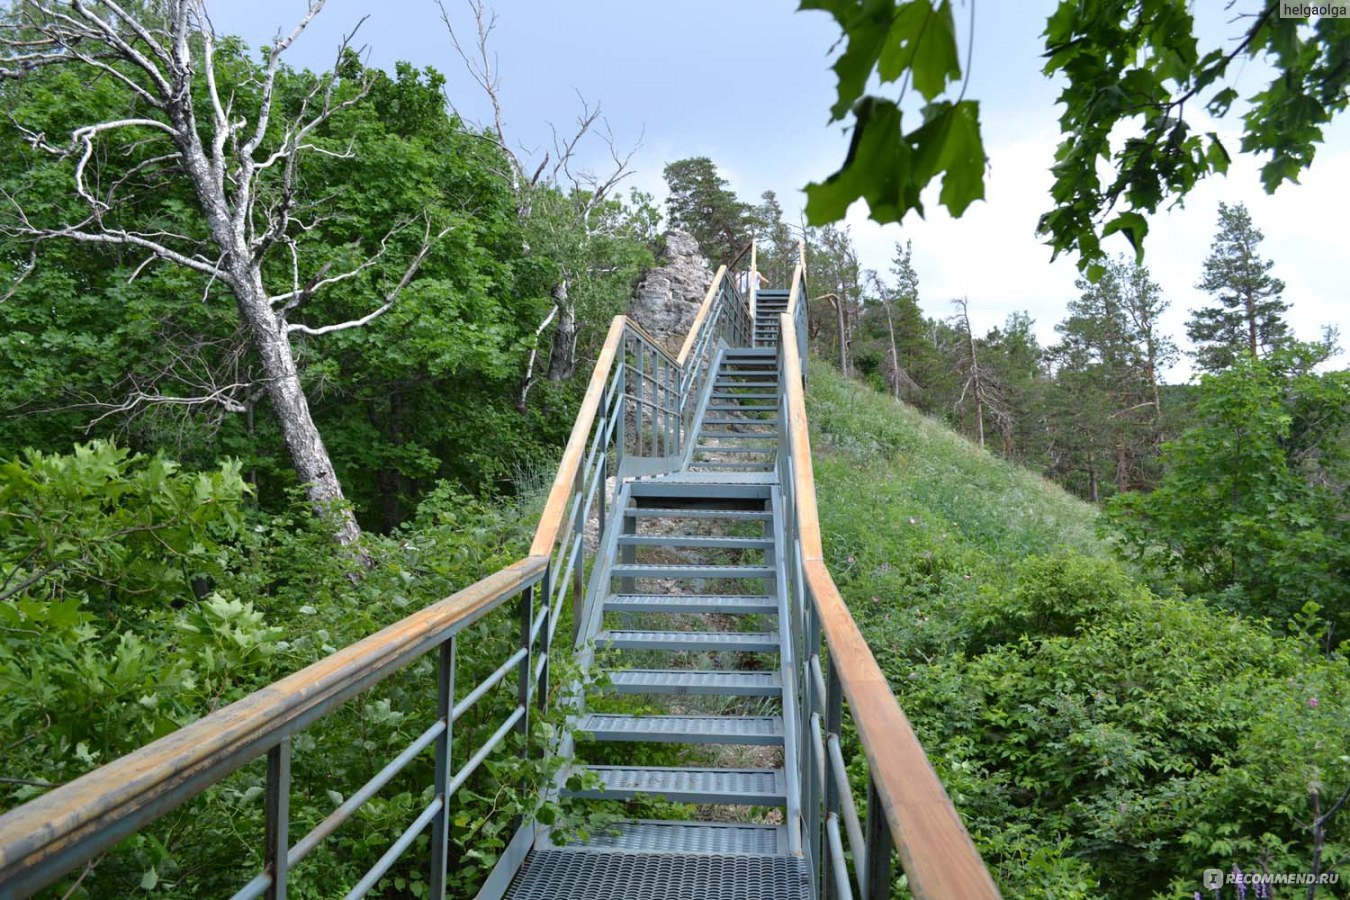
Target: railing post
column 621, row 430
column 545, row 639
column 876, row 881
column 277, row 828
column 440, row 826
column 834, row 716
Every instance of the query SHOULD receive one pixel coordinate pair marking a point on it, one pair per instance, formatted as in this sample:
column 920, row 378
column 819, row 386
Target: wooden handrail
column 934, row 846
column 798, row 280
column 753, row 280
column 80, row 819
column 550, row 521
column 703, row 309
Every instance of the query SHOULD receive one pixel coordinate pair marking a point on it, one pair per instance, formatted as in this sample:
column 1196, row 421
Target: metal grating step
column 758, row 730
column 654, row 512
column 742, row 407
column 717, row 396
column 740, row 435
column 762, row 423
column 738, row 787
column 669, row 570
column 769, row 451
column 742, row 466
column 662, row 836
column 693, row 681
column 728, row 604
column 742, row 641
column 611, row 875
column 717, row 542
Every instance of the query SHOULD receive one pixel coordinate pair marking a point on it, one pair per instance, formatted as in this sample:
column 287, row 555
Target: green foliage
column 1250, row 311
column 1251, row 510
column 701, row 203
column 1097, row 739
column 104, row 528
column 1128, row 69
column 86, row 682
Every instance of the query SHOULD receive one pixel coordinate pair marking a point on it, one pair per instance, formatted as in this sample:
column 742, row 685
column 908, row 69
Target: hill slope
column 1100, row 741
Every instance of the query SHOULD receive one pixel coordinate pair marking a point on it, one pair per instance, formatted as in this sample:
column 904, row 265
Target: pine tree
column 701, row 203
column 1249, row 316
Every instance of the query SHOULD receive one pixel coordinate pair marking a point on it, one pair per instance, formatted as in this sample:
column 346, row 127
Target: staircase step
column 668, row 570
column 654, row 512
column 723, row 604
column 740, row 435
column 758, row 730
column 745, row 465
column 742, row 407
column 763, row 451
column 737, row 641
column 612, row 874
column 748, row 787
column 693, row 681
column 717, row 542
column 724, row 396
column 670, row 837
column 773, row 422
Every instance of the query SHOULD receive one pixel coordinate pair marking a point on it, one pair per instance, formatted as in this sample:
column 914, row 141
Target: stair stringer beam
column 705, row 397
column 788, row 668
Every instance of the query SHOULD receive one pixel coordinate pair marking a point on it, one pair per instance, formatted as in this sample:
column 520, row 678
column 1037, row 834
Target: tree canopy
column 1135, row 74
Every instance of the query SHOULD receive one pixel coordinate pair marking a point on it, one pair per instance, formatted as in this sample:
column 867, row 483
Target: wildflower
column 1240, row 882
column 1312, row 702
column 913, row 521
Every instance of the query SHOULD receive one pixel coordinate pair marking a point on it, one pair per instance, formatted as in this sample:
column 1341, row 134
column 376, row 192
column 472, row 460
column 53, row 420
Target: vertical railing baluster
column 834, row 716
column 440, row 826
column 640, row 390
column 621, row 432
column 876, row 881
column 277, row 827
column 541, row 687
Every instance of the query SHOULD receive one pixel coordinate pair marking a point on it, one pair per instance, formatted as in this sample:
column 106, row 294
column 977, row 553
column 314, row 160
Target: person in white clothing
column 743, row 282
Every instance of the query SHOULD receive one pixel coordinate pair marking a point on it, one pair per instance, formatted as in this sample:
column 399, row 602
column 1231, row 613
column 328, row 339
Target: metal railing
column 637, row 407
column 907, row 807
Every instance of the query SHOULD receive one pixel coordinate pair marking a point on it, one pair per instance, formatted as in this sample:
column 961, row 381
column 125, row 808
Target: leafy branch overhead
column 887, row 166
column 1132, row 72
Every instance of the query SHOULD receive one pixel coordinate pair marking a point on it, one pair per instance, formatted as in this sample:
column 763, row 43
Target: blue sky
column 747, row 83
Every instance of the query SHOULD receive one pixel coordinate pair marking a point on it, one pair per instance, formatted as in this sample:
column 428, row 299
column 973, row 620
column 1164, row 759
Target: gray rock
column 668, row 296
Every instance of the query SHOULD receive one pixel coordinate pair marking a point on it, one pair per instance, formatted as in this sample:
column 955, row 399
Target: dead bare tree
column 978, row 384
column 559, row 170
column 244, row 179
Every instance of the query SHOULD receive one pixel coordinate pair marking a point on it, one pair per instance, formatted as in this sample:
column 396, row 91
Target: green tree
column 702, row 204
column 1252, row 509
column 1131, row 72
column 1107, row 403
column 1250, row 314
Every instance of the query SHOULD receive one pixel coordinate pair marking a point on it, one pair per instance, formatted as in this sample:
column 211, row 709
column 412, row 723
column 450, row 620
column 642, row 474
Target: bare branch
column 429, row 242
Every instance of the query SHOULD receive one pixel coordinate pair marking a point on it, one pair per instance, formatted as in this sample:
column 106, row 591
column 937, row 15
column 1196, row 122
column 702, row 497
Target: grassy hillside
column 1100, row 741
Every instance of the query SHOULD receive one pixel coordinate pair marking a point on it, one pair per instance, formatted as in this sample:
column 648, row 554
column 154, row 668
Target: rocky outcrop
column 668, row 296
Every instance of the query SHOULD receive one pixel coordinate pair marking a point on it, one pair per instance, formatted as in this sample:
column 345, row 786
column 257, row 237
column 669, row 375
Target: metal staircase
column 681, row 531
column 689, row 613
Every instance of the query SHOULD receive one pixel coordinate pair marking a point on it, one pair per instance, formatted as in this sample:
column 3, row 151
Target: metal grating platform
column 747, row 787
column 599, row 875
column 684, row 729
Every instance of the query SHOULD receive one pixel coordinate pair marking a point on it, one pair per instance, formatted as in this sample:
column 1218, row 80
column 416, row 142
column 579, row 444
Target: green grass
column 1098, row 740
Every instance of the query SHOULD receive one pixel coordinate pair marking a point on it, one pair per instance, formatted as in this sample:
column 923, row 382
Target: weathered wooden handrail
column 935, row 849
column 702, row 315
column 564, row 482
